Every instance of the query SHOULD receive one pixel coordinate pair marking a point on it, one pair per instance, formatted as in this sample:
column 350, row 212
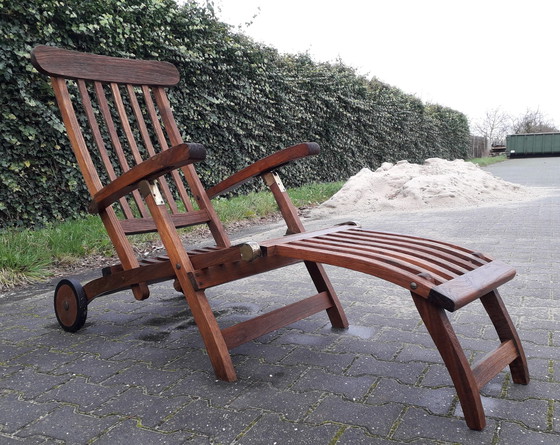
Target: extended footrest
column 447, row 275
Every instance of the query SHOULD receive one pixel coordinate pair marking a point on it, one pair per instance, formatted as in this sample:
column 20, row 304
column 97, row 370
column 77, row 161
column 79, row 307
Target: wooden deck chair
column 141, row 178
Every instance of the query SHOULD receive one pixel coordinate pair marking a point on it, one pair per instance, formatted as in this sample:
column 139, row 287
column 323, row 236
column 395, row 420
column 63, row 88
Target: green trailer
column 533, row 144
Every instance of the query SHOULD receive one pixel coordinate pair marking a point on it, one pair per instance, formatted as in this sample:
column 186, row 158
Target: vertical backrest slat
column 110, row 125
column 98, row 138
column 152, row 112
column 93, row 183
column 204, row 203
column 122, row 108
column 114, row 137
column 125, row 125
column 143, row 128
column 123, row 116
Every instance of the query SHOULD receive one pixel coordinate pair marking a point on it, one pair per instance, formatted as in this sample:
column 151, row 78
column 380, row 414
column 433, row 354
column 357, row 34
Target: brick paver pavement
column 137, row 371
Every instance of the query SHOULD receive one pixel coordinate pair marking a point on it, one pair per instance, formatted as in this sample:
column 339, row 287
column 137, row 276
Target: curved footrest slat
column 447, row 275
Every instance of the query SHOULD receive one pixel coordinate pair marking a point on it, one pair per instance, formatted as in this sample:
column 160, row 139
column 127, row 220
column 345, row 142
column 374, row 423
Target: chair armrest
column 152, row 168
column 264, row 165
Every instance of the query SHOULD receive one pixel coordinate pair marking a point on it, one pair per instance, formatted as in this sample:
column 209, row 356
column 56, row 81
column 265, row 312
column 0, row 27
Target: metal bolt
column 177, row 266
column 413, row 285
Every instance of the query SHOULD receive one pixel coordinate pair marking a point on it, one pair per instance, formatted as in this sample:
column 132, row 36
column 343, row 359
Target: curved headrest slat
column 77, row 65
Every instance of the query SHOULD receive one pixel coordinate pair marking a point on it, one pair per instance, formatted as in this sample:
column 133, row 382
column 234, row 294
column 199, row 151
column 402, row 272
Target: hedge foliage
column 241, row 99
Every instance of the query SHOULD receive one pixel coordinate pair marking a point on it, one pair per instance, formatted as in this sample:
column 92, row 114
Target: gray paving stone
column 542, row 369
column 418, row 424
column 223, row 425
column 269, row 352
column 293, row 406
column 129, row 432
column 515, row 434
column 382, row 351
column 206, row 386
column 20, row 412
column 418, row 337
column 6, row 439
column 45, row 360
column 191, row 360
column 154, row 381
column 377, row 419
column 437, row 401
column 58, row 340
column 352, row 436
column 270, row 429
column 397, row 321
column 350, row 387
column 6, row 371
column 77, row 391
column 150, row 410
column 156, row 357
column 94, row 369
column 437, row 376
column 405, row 372
column 18, row 334
column 532, row 413
column 99, row 346
column 419, row 353
column 279, row 376
column 9, row 352
column 96, row 326
column 31, row 383
column 66, row 425
column 332, row 362
column 315, row 341
column 536, row 389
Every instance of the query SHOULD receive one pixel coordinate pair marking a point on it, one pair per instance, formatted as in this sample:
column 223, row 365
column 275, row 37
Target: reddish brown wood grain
column 152, row 168
column 264, row 165
column 76, row 65
column 126, row 105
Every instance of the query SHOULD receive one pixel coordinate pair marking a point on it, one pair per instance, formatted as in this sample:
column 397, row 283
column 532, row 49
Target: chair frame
column 440, row 276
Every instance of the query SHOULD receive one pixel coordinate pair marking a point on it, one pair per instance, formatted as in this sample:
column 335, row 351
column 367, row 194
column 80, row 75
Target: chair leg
column 501, row 320
column 321, row 280
column 196, row 299
column 446, row 341
column 211, row 335
column 318, row 275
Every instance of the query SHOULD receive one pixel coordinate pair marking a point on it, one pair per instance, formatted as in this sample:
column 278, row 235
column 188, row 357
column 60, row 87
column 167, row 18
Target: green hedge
column 242, row 100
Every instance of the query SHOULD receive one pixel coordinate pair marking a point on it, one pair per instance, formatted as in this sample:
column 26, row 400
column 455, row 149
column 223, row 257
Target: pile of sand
column 435, row 184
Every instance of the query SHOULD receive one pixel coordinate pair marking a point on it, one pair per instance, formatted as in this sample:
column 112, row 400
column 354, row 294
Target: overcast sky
column 472, row 56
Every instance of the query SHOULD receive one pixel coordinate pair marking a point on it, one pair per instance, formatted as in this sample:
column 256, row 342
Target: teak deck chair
column 118, row 116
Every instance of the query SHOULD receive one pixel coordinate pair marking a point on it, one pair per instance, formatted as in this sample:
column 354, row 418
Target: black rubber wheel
column 70, row 305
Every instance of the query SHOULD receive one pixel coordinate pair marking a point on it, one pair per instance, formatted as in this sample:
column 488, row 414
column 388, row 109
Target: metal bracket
column 250, row 251
column 151, row 188
column 271, row 178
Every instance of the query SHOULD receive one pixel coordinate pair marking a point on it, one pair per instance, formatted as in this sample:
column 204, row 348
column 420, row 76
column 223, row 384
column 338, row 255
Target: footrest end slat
column 460, row 291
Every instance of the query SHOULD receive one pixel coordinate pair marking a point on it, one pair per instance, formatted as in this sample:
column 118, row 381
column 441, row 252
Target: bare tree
column 533, row 121
column 494, row 126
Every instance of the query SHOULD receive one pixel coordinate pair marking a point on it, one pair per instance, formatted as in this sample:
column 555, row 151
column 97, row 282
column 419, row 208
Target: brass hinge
column 271, row 178
column 151, row 188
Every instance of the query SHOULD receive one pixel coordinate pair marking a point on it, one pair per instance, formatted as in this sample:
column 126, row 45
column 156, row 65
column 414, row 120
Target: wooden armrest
column 156, row 166
column 264, row 165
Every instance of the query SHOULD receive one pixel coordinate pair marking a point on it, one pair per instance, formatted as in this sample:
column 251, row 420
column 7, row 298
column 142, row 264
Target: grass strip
column 28, row 256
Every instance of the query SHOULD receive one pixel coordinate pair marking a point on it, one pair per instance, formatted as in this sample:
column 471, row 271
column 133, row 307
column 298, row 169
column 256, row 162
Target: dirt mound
column 435, row 184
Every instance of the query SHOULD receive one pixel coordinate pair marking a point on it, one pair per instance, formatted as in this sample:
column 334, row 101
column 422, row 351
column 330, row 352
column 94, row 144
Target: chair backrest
column 117, row 114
